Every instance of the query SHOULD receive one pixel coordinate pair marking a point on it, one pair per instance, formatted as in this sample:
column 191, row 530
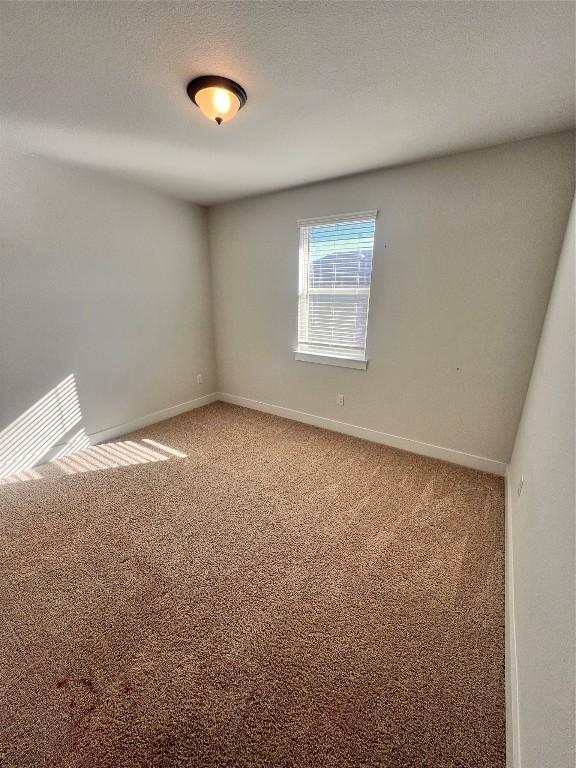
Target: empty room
column 287, row 384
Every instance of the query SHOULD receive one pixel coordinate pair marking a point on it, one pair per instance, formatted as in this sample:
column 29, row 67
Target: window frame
column 304, row 225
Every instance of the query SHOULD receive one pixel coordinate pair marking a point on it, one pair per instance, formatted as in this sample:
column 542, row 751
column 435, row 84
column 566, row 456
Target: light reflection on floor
column 78, row 456
column 40, row 441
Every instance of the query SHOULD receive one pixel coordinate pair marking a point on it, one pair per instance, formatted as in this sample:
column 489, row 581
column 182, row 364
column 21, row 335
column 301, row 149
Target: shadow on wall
column 32, row 436
column 48, row 432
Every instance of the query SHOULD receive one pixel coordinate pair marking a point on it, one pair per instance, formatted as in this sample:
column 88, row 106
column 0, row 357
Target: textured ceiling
column 333, row 87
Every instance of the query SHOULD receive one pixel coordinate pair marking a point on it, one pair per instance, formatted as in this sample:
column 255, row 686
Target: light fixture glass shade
column 217, row 103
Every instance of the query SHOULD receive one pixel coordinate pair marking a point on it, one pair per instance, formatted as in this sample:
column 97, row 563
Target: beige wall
column 465, row 252
column 103, row 279
column 541, row 524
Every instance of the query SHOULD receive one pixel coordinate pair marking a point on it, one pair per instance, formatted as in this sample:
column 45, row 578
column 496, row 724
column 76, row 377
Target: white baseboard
column 513, row 753
column 151, row 418
column 374, row 435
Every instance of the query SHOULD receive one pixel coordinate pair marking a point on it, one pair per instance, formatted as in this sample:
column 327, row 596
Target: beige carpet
column 283, row 596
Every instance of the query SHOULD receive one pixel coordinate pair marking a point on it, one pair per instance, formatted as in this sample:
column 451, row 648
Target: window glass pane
column 335, row 273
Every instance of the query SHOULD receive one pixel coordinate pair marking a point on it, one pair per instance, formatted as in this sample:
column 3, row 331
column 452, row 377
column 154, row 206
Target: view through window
column 334, row 294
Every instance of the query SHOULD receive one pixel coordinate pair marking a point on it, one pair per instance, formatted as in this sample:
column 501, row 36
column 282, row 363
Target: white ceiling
column 333, row 87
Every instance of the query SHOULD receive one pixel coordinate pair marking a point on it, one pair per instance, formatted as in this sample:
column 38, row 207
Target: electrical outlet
column 199, row 379
column 340, row 398
column 520, row 486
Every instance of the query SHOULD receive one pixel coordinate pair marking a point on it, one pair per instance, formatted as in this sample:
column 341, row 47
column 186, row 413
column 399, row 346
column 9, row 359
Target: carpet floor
column 229, row 588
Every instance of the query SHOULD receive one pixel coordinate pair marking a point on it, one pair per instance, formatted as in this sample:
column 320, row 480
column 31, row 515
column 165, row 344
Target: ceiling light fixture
column 218, row 98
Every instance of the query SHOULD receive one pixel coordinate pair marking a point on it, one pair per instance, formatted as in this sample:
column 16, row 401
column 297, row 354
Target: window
column 334, row 293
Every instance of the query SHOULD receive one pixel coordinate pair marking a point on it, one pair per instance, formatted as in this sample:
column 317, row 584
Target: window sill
column 342, row 362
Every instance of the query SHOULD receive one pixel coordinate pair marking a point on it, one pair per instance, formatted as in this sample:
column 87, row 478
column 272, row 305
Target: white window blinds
column 335, row 273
